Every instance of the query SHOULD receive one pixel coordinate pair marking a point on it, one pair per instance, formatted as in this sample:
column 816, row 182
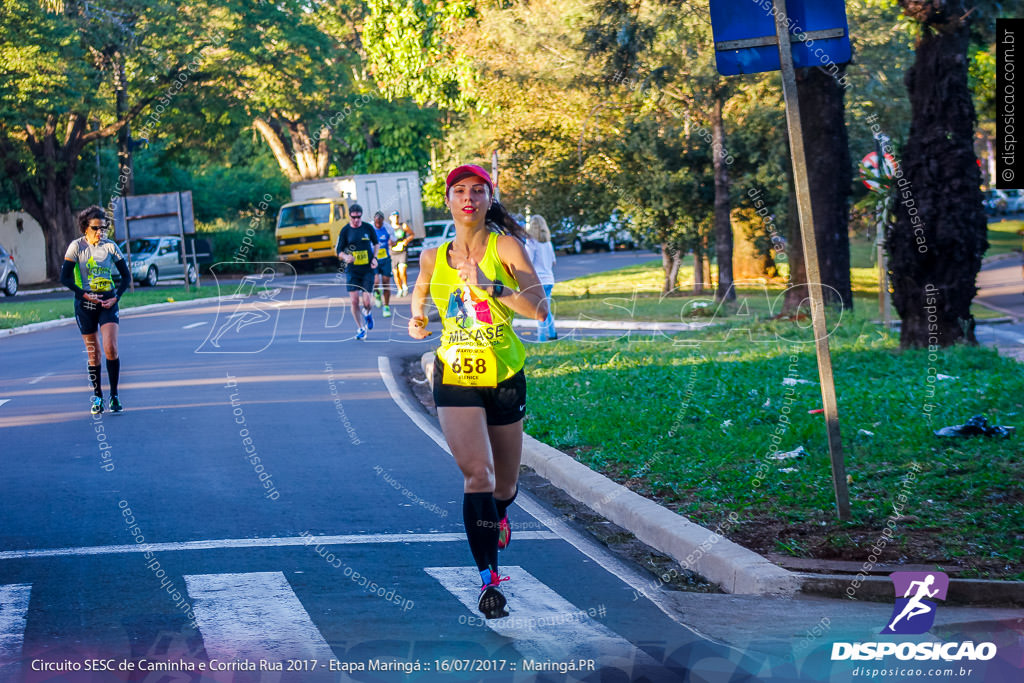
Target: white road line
column 348, row 539
column 542, row 624
column 252, row 617
column 4, row 400
column 40, row 378
column 189, row 327
column 645, row 586
column 13, row 607
column 399, row 397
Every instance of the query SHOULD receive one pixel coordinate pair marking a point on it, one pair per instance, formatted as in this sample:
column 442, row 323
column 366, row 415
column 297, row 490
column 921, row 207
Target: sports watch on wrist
column 497, row 289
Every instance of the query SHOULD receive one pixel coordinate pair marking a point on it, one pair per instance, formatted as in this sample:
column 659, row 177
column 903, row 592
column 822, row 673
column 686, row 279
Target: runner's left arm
column 529, row 300
column 126, row 277
column 67, row 278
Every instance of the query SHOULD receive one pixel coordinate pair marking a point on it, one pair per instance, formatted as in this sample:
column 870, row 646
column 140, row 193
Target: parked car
column 996, row 202
column 8, row 272
column 414, row 248
column 610, row 236
column 153, row 258
column 1014, row 200
column 437, row 233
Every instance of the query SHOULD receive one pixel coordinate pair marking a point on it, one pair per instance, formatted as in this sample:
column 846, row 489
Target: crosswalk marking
column 13, row 606
column 344, row 539
column 543, row 625
column 254, row 616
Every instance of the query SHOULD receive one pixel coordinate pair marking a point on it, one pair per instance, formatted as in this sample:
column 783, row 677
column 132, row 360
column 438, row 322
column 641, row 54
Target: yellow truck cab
column 308, row 230
column 308, row 226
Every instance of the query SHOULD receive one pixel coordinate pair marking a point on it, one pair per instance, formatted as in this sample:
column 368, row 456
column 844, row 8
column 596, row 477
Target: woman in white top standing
column 542, row 254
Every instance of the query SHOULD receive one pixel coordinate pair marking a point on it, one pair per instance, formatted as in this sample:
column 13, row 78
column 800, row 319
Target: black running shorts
column 90, row 316
column 384, row 267
column 504, row 404
column 361, row 281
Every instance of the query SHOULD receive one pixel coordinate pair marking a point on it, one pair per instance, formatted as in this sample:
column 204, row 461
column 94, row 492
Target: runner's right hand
column 418, row 327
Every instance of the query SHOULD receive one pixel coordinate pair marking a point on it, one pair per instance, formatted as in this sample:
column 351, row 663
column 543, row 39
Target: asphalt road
column 233, row 574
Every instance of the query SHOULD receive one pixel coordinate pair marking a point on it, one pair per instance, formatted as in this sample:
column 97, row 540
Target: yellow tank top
column 478, row 345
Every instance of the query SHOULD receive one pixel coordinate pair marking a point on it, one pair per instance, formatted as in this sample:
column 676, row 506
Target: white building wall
column 23, row 237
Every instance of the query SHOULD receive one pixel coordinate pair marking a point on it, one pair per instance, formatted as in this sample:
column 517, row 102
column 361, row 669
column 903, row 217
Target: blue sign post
column 764, row 35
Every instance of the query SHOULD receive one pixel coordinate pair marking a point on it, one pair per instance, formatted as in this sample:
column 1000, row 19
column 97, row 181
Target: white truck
column 308, row 226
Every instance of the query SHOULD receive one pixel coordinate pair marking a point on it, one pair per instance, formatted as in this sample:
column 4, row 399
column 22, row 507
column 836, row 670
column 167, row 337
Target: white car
column 1014, row 200
column 996, row 202
column 153, row 258
column 8, row 273
column 437, row 233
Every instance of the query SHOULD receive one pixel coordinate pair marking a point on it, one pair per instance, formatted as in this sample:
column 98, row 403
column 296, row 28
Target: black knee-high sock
column 94, row 380
column 502, row 505
column 481, row 518
column 113, row 373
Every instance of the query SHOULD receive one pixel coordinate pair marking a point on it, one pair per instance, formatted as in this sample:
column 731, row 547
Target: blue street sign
column 745, row 39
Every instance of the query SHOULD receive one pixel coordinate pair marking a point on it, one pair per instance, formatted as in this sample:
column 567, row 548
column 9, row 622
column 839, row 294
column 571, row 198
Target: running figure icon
column 915, row 607
column 914, row 612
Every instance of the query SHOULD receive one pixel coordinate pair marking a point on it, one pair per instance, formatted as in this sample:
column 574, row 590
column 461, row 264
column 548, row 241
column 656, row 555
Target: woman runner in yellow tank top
column 478, row 281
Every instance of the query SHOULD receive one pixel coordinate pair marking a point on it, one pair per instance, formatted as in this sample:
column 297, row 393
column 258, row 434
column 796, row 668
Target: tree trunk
column 125, row 171
column 698, row 266
column 830, row 176
column 45, row 191
column 938, row 240
column 723, row 224
column 295, row 153
column 670, row 261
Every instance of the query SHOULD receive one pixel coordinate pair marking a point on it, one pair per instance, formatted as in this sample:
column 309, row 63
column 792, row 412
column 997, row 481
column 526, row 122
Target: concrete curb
column 733, row 567
column 879, row 589
column 1001, row 257
column 615, row 325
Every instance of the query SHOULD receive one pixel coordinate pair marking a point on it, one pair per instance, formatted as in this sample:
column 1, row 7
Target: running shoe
column 369, row 320
column 376, row 298
column 97, row 405
column 492, row 602
column 387, row 311
column 504, row 533
column 361, row 334
column 115, row 405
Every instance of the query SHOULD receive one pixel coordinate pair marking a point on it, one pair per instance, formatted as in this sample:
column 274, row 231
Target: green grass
column 687, row 420
column 17, row 313
column 634, row 293
column 1004, row 237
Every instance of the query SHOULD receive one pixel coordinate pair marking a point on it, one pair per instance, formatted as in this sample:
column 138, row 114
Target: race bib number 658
column 470, row 367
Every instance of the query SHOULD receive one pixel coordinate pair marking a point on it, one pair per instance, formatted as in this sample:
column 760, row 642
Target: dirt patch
column 663, row 570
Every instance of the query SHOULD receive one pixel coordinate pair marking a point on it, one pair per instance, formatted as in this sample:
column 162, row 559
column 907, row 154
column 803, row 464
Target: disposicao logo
column 913, row 614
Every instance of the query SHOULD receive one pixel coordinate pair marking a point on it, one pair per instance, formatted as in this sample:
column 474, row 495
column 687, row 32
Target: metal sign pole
column 810, row 245
column 494, row 173
column 183, row 253
column 127, row 243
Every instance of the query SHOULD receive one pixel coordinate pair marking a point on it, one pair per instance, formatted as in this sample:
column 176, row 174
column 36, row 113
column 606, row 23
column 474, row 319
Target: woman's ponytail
column 502, row 221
